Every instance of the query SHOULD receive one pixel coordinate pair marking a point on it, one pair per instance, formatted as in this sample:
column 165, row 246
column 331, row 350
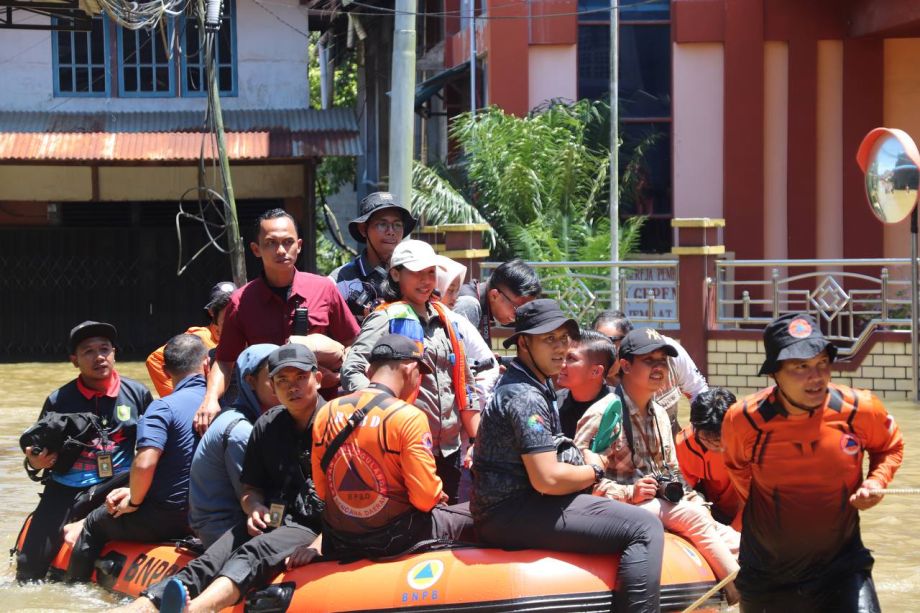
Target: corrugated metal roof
column 176, row 135
column 172, row 146
column 290, row 120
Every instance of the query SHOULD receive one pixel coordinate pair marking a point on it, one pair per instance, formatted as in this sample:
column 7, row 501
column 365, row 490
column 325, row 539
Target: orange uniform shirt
column 795, row 474
column 161, row 380
column 383, row 470
column 703, row 467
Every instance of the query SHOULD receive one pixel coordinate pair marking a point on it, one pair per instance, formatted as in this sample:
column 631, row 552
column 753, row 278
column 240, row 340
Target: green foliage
column 540, row 182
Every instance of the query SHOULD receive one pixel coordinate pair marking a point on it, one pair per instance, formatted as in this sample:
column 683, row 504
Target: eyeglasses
column 386, row 226
column 616, row 339
column 515, row 303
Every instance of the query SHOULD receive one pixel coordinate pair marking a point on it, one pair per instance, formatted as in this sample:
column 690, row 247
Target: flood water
column 891, row 529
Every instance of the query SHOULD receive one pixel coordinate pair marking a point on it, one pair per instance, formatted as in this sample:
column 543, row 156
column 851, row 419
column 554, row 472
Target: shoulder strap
column 225, row 437
column 627, row 420
column 356, row 418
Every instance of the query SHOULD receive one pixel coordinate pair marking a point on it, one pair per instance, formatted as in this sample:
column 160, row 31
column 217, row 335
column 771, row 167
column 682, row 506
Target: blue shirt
column 215, row 490
column 167, row 426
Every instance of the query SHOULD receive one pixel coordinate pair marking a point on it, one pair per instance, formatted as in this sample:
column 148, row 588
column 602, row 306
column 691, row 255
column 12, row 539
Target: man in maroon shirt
column 281, row 302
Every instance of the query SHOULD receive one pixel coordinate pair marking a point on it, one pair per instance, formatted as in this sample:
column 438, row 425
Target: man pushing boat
column 794, row 452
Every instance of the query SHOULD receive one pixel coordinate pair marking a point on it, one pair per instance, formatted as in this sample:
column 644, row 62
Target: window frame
column 184, row 64
column 56, row 64
column 122, row 66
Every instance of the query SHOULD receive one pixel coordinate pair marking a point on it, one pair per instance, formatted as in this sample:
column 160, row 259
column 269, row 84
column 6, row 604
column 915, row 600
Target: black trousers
column 849, row 593
column 449, row 468
column 59, row 505
column 249, row 562
column 150, row 523
column 587, row 524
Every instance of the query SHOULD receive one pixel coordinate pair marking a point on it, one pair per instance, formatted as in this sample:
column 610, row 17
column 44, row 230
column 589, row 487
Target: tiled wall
column 885, row 370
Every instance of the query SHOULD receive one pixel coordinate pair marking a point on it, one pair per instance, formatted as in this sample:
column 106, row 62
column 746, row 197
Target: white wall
column 271, row 64
column 553, row 71
column 699, row 128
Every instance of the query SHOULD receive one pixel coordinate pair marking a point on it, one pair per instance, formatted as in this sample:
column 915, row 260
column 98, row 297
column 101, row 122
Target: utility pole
column 234, row 240
column 615, row 154
column 402, row 101
column 472, row 9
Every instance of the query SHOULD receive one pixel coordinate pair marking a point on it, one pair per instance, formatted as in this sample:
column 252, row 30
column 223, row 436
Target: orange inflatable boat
column 460, row 579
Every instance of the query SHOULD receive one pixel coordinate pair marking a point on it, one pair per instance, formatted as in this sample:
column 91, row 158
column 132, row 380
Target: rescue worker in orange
column 699, row 454
column 218, row 300
column 795, row 452
column 374, row 465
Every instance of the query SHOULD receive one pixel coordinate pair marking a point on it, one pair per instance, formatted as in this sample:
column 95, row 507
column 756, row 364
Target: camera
column 669, row 488
column 362, row 299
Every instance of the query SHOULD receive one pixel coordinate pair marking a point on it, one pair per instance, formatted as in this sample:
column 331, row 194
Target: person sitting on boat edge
column 511, row 285
column 374, row 465
column 684, row 377
column 70, row 492
column 524, row 497
column 582, row 380
column 154, row 506
column 218, row 300
column 699, row 455
column 382, row 224
column 642, row 468
column 215, row 488
column 279, row 500
column 447, row 395
column 795, row 453
column 281, row 302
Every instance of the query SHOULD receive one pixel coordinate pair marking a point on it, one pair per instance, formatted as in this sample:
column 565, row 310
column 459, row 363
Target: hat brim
column 103, row 330
column 298, row 364
column 804, row 349
column 547, row 326
column 409, row 222
column 668, row 348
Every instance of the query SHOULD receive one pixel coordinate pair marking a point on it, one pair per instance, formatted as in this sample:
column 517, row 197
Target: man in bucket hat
column 524, row 497
column 794, row 451
column 382, row 224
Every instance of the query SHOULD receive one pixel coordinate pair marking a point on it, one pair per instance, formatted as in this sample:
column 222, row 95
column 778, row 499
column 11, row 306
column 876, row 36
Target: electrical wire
column 377, row 11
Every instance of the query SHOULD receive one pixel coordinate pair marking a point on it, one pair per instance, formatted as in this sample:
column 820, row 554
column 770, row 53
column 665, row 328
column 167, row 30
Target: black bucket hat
column 89, row 329
column 379, row 201
column 539, row 317
column 794, row 336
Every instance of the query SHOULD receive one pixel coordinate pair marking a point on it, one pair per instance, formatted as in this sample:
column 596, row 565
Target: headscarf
column 447, row 271
column 248, row 364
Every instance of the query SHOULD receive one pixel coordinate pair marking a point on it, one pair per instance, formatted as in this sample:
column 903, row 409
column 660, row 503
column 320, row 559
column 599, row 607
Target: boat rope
column 718, row 586
column 897, row 491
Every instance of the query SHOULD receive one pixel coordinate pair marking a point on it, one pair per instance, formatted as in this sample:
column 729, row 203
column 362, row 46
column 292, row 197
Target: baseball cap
column 379, row 201
column 89, row 329
column 793, row 336
column 539, row 317
column 399, row 347
column 414, row 255
column 293, row 354
column 220, row 295
column 643, row 341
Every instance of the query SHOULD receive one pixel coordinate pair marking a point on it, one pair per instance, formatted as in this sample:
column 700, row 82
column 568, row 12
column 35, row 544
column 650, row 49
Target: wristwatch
column 134, row 506
column 598, row 472
column 472, row 440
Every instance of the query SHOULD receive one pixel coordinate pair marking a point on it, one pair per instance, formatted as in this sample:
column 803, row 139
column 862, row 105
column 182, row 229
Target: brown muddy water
column 891, row 530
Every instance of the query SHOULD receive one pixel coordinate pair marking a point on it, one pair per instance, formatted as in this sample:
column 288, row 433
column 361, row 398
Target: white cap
column 448, row 270
column 414, row 255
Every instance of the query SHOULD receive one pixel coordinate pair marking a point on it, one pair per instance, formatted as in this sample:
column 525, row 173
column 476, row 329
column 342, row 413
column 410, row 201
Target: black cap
column 379, row 201
column 399, row 347
column 539, row 317
column 293, row 354
column 220, row 295
column 793, row 336
column 643, row 341
column 89, row 329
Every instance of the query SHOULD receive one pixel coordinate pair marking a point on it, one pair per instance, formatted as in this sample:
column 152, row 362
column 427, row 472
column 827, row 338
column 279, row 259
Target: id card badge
column 275, row 514
column 104, row 465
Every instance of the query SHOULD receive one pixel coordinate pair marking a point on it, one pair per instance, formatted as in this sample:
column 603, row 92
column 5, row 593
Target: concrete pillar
column 699, row 243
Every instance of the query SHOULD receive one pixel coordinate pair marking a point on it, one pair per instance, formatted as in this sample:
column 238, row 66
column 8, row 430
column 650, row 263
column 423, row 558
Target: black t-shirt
column 277, row 461
column 571, row 410
column 520, row 419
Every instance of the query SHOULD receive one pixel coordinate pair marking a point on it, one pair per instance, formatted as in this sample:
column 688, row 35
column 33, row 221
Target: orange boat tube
column 459, row 579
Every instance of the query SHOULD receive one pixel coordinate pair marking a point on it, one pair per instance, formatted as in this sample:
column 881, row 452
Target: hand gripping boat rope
column 897, row 491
